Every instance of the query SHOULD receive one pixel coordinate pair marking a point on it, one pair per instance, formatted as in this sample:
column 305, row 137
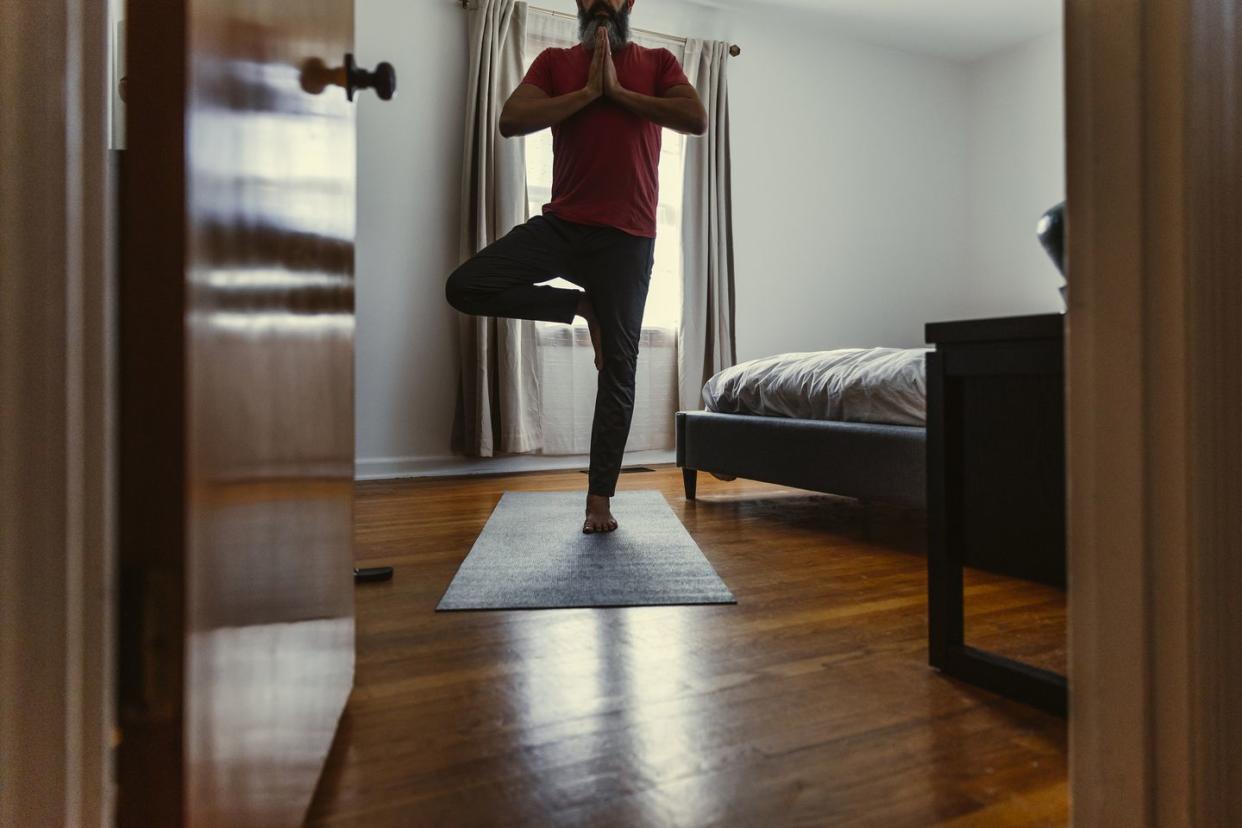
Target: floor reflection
column 665, row 719
column 610, row 694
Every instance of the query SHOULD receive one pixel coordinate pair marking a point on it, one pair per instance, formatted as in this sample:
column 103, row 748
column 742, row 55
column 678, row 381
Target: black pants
column 615, row 270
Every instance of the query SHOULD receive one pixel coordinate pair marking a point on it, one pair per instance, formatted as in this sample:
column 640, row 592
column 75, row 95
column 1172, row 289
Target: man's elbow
column 509, row 124
column 698, row 118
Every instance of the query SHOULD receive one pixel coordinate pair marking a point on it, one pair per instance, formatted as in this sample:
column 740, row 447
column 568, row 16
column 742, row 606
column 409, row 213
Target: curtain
column 498, row 393
column 706, row 341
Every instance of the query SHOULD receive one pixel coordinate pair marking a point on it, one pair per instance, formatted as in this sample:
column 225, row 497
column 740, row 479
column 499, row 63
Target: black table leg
column 947, row 650
column 690, row 477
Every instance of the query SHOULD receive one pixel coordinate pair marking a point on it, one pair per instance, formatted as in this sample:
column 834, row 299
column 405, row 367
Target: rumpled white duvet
column 863, row 385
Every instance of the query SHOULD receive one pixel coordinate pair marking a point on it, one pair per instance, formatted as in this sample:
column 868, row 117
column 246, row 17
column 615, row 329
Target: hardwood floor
column 810, row 702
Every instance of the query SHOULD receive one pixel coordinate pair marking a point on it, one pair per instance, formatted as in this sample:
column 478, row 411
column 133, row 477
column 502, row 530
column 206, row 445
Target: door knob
column 383, row 80
column 317, row 76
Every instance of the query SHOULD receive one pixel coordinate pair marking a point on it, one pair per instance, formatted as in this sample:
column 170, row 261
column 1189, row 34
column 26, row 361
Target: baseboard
column 397, row 468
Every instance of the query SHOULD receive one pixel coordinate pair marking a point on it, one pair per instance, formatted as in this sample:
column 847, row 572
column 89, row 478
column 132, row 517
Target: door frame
column 57, row 368
column 1155, row 309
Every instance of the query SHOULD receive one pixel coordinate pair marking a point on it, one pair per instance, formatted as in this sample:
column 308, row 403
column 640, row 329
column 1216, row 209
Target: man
column 606, row 100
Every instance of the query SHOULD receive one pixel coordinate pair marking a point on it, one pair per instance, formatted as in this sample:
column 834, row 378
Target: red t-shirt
column 606, row 162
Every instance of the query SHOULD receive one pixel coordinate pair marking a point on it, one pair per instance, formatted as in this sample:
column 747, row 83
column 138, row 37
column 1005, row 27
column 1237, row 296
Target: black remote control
column 373, row 574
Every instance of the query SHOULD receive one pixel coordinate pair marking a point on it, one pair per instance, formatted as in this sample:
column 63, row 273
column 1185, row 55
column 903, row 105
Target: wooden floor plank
column 808, row 703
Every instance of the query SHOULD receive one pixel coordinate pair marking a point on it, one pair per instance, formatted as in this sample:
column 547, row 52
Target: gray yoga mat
column 532, row 554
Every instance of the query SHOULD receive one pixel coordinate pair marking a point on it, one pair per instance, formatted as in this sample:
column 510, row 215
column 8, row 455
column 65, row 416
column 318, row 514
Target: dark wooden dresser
column 996, row 482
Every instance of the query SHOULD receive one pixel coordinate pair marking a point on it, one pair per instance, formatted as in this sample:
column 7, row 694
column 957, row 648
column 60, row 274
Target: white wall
column 851, row 199
column 409, row 174
column 1016, row 172
column 849, row 193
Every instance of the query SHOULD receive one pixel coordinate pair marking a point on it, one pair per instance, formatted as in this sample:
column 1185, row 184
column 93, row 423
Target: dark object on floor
column 625, row 470
column 373, row 575
column 878, row 462
column 996, row 483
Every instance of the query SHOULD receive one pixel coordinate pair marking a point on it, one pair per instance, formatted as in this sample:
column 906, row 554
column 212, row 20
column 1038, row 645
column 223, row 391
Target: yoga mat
column 532, row 554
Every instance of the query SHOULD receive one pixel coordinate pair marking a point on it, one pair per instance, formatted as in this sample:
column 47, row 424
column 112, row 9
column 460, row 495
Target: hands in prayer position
column 602, row 79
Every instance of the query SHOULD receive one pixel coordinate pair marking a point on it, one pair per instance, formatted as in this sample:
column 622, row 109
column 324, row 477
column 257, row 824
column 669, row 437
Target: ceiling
column 957, row 29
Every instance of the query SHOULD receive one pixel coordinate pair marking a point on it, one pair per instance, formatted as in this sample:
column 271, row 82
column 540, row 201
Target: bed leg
column 691, row 478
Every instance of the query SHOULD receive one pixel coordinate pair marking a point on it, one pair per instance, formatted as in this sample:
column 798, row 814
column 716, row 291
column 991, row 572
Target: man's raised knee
column 457, row 290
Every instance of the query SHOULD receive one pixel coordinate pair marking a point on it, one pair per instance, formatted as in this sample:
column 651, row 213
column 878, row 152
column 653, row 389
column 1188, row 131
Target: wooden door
column 236, row 416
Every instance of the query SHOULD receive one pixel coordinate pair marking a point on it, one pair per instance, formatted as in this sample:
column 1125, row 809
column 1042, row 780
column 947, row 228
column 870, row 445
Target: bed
column 848, row 422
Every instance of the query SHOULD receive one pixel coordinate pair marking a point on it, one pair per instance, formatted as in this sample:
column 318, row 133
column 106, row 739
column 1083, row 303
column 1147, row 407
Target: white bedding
column 864, row 385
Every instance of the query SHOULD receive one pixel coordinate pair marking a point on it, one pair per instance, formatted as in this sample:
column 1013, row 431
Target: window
column 566, row 359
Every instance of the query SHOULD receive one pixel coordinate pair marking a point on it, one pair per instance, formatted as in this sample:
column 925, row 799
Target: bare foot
column 598, row 516
column 587, row 311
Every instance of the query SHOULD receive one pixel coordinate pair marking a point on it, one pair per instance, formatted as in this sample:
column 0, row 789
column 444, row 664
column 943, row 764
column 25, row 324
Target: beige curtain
column 706, row 341
column 498, row 393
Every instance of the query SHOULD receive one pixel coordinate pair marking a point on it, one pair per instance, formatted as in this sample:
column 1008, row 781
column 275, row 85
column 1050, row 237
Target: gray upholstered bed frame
column 872, row 462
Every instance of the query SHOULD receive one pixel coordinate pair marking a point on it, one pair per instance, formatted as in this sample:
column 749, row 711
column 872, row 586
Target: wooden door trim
column 1155, row 307
column 1110, row 647
column 56, row 446
column 1213, row 569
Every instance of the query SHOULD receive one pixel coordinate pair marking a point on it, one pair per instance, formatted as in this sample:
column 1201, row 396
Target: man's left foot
column 598, row 516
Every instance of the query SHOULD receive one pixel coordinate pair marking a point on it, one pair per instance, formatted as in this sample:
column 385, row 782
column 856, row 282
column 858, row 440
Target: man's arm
column 530, row 109
column 680, row 109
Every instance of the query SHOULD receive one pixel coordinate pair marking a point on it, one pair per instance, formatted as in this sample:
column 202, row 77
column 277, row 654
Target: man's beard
column 617, row 24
